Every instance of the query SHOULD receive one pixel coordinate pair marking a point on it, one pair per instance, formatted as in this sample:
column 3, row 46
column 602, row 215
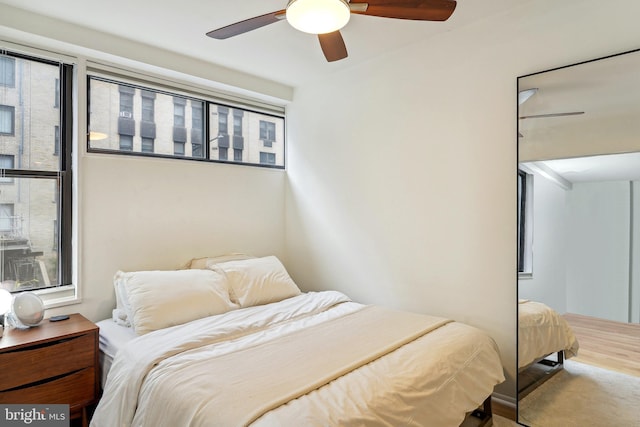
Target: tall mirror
column 579, row 244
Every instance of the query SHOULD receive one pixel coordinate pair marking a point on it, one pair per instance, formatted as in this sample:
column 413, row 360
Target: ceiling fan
column 326, row 17
column 524, row 95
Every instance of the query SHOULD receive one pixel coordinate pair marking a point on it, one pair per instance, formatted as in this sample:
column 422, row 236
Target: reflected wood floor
column 606, row 343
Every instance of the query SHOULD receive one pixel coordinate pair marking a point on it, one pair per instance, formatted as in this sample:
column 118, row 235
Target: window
column 267, row 132
column 268, row 158
column 148, row 106
column 56, row 94
column 178, row 113
column 223, row 119
column 126, row 101
column 147, row 145
column 178, row 125
column 126, row 143
column 7, row 119
column 178, row 148
column 56, row 140
column 35, row 212
column 6, row 162
column 525, row 230
column 7, row 71
column 7, row 227
column 237, row 122
column 197, row 126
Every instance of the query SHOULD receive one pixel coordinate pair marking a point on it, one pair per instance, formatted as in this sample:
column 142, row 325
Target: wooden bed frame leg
column 485, row 415
column 487, row 407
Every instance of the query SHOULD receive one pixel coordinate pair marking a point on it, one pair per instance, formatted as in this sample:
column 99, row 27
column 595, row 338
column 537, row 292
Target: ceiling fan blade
column 540, row 116
column 333, row 46
column 419, row 10
column 247, row 25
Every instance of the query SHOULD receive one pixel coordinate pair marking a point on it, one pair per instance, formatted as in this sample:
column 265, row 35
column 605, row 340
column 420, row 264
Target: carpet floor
column 583, row 395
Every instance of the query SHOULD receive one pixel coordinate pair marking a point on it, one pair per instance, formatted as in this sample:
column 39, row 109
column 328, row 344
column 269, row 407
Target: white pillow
column 122, row 312
column 257, row 281
column 204, row 262
column 159, row 299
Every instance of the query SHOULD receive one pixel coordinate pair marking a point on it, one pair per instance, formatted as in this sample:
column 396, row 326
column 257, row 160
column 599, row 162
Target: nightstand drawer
column 31, row 364
column 75, row 389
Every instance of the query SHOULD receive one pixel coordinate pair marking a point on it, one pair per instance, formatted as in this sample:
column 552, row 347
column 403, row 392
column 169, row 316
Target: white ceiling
column 276, row 52
column 612, row 167
column 603, row 144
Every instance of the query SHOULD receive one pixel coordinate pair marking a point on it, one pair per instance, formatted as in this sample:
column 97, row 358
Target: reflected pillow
column 160, row 299
column 257, row 281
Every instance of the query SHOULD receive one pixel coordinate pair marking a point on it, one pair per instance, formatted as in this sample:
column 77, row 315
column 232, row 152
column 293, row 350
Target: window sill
column 59, row 296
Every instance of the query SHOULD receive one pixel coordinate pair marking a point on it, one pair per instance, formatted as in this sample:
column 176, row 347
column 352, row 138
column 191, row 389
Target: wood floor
column 607, row 344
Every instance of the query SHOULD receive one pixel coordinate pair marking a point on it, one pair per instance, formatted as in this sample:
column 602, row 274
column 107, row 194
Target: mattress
column 542, row 331
column 207, row 372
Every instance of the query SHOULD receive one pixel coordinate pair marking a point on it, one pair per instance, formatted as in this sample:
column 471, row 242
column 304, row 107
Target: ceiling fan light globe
column 318, row 16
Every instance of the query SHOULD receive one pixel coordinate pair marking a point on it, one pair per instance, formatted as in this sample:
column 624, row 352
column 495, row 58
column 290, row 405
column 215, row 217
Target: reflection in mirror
column 579, row 244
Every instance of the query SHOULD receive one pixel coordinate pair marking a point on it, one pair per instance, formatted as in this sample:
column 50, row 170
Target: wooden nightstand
column 55, row 362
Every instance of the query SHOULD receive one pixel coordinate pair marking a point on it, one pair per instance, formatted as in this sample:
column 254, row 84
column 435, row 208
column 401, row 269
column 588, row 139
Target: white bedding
column 161, row 378
column 112, row 338
column 542, row 331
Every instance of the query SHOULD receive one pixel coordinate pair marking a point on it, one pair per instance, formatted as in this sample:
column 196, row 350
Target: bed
column 542, row 332
column 276, row 356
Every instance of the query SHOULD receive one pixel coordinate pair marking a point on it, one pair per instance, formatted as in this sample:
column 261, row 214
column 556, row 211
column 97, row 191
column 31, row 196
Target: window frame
column 525, row 224
column 63, row 175
column 210, row 103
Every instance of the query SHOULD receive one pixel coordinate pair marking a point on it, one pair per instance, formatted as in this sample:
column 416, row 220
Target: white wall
column 145, row 214
column 598, row 239
column 402, row 171
column 634, row 305
column 581, row 241
column 549, row 222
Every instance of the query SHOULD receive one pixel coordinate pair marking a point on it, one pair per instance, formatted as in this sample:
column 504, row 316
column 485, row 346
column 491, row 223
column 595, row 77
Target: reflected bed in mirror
column 579, row 243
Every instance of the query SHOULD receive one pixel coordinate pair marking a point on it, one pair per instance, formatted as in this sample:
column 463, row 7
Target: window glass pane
column 28, row 115
column 7, row 120
column 178, row 115
column 147, row 109
column 7, row 71
column 137, row 119
column 131, row 119
column 256, row 138
column 28, row 234
column 147, row 145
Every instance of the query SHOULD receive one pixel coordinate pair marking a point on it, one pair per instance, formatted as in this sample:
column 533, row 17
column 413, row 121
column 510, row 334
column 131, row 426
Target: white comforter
column 166, row 378
column 542, row 331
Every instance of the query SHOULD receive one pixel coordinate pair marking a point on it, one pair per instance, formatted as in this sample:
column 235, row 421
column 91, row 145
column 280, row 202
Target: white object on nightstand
column 27, row 310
